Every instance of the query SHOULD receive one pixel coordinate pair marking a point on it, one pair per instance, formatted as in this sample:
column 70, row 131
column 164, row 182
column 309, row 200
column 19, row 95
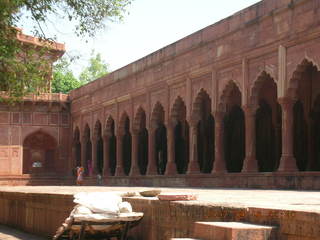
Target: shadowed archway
column 99, row 147
column 205, row 131
column 87, row 144
column 234, row 128
column 77, row 148
column 157, row 122
column 126, row 143
column 112, row 146
column 305, row 90
column 142, row 132
column 181, row 135
column 268, row 123
column 39, row 149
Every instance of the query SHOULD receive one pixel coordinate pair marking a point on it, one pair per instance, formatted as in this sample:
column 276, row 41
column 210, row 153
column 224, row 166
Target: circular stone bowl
column 150, row 193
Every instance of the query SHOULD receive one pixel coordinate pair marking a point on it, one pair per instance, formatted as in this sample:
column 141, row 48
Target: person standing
column 80, row 172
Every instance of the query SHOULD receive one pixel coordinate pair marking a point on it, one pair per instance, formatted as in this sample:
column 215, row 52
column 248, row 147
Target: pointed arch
column 181, row 135
column 228, row 94
column 268, row 122
column 41, row 148
column 87, row 144
column 157, row 125
column 98, row 141
column 234, row 126
column 203, row 120
column 111, row 139
column 304, row 89
column 141, row 130
column 124, row 131
column 76, row 147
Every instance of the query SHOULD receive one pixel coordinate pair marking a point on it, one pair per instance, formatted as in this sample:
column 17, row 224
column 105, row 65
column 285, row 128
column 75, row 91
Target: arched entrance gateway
column 39, row 153
column 305, row 91
column 267, row 123
column 204, row 123
column 233, row 128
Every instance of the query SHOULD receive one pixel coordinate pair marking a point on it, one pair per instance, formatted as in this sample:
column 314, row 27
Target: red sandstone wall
column 19, row 121
column 42, row 214
column 238, row 48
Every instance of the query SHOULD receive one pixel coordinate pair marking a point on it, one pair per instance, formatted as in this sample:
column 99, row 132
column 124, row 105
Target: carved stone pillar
column 119, row 164
column 94, row 156
column 134, row 170
column 250, row 163
column 193, row 167
column 219, row 164
column 287, row 161
column 171, row 165
column 152, row 165
column 106, row 156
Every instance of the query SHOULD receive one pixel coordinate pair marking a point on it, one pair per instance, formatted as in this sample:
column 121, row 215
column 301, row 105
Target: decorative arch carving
column 294, row 80
column 226, row 93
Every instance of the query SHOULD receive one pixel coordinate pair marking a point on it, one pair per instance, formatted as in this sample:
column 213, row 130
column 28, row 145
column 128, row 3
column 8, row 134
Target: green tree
column 18, row 74
column 96, row 68
column 63, row 78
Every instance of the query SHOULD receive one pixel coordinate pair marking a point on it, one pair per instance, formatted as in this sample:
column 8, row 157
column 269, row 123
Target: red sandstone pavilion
column 236, row 104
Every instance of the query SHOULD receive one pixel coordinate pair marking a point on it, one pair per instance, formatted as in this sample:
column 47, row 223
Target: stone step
column 234, row 231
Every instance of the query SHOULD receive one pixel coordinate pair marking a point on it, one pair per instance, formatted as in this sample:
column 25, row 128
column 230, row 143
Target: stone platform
column 40, row 210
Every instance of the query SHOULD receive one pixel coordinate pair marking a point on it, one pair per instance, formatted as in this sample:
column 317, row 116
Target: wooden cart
column 105, row 229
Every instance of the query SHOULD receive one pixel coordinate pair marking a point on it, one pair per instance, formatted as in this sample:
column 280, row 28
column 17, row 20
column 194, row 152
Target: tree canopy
column 64, row 80
column 19, row 75
column 96, row 68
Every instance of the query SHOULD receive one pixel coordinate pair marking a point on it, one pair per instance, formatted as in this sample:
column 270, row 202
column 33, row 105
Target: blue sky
column 150, row 25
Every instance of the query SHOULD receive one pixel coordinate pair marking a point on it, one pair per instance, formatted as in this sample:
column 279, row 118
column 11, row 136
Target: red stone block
column 177, row 197
column 234, row 231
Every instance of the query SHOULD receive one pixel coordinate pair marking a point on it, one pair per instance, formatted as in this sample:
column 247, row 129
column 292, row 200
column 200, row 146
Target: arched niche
column 39, row 153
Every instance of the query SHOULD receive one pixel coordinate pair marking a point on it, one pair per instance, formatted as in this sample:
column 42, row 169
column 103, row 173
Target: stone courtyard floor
column 7, row 233
column 273, row 199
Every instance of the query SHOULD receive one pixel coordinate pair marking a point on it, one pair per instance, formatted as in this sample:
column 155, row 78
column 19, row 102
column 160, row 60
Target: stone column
column 119, row 164
column 152, row 165
column 171, row 165
column 287, row 161
column 134, row 170
column 106, row 156
column 83, row 154
column 219, row 164
column 250, row 163
column 193, row 167
column 94, row 156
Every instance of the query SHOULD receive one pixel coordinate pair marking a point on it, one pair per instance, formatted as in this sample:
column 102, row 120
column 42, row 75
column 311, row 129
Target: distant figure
column 80, row 172
column 99, row 179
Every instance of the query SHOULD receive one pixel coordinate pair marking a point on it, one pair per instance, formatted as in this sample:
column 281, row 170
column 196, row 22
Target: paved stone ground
column 7, row 233
column 273, row 199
